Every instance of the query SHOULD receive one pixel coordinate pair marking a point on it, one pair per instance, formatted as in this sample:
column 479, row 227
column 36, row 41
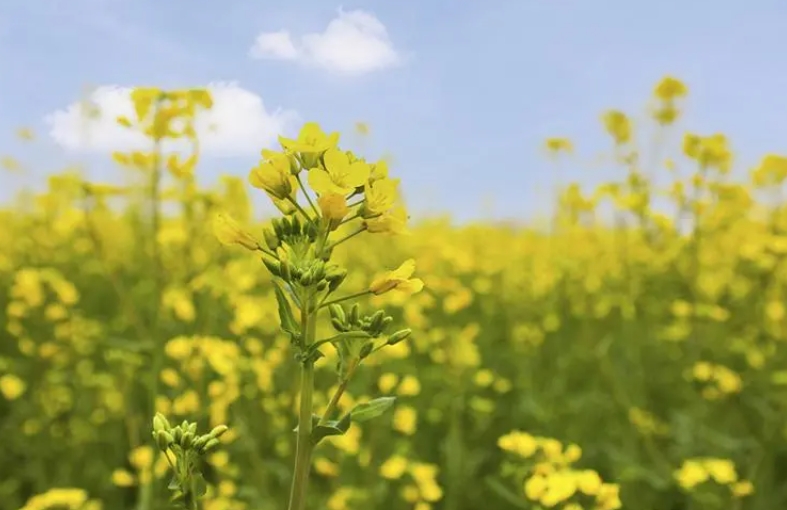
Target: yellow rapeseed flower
column 380, row 196
column 340, row 174
column 311, row 139
column 391, row 222
column 618, row 126
column 274, row 176
column 228, row 231
column 398, row 279
column 333, row 207
column 670, row 88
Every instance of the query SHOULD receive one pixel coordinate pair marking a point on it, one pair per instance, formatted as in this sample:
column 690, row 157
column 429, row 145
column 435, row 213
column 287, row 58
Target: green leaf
column 331, row 428
column 288, row 323
column 173, row 484
column 372, row 409
column 200, row 486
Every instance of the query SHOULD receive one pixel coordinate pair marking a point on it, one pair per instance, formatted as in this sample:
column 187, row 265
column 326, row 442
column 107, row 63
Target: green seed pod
column 185, row 441
column 337, row 312
column 218, row 431
column 399, row 336
column 272, row 264
column 163, row 440
column 271, row 239
column 353, row 318
column 366, row 350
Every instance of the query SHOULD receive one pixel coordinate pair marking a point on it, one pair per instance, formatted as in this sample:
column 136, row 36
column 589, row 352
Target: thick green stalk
column 303, row 449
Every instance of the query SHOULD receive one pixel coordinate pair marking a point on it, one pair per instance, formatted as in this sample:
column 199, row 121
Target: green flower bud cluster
column 184, row 436
column 290, row 230
column 375, row 325
column 188, row 449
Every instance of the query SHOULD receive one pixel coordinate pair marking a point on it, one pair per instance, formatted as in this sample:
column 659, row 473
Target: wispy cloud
column 353, row 43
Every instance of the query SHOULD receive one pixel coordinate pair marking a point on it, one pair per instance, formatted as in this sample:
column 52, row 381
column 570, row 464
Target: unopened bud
column 177, row 434
column 399, row 336
column 163, row 440
column 338, row 325
column 366, row 350
column 185, row 441
column 272, row 264
column 160, row 422
column 337, row 312
column 210, row 444
column 271, row 239
column 218, row 431
column 376, row 322
column 354, row 311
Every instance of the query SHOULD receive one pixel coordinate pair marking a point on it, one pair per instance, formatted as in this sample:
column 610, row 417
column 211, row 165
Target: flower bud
column 337, row 312
column 185, row 441
column 177, row 434
column 376, row 322
column 272, row 264
column 271, row 240
column 338, row 325
column 218, row 431
column 399, row 336
column 354, row 311
column 163, row 440
column 209, row 445
column 366, row 350
column 160, row 422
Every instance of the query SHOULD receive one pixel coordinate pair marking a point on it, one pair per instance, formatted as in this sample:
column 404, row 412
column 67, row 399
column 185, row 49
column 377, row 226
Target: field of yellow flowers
column 629, row 356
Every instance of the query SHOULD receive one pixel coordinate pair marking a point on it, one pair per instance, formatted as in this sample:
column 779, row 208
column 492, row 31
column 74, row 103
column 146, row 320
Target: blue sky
column 477, row 87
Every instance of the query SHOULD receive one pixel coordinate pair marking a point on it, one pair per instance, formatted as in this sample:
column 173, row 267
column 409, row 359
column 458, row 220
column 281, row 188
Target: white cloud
column 353, row 43
column 276, row 45
column 237, row 124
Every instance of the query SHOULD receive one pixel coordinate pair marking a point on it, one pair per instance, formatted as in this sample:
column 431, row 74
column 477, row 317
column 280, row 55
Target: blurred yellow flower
column 398, row 279
column 228, row 231
column 12, row 387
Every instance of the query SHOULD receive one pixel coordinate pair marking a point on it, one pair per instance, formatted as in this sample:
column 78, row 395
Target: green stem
column 348, row 236
column 338, row 395
column 345, row 298
column 146, row 497
column 300, row 208
column 303, row 448
column 306, row 193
